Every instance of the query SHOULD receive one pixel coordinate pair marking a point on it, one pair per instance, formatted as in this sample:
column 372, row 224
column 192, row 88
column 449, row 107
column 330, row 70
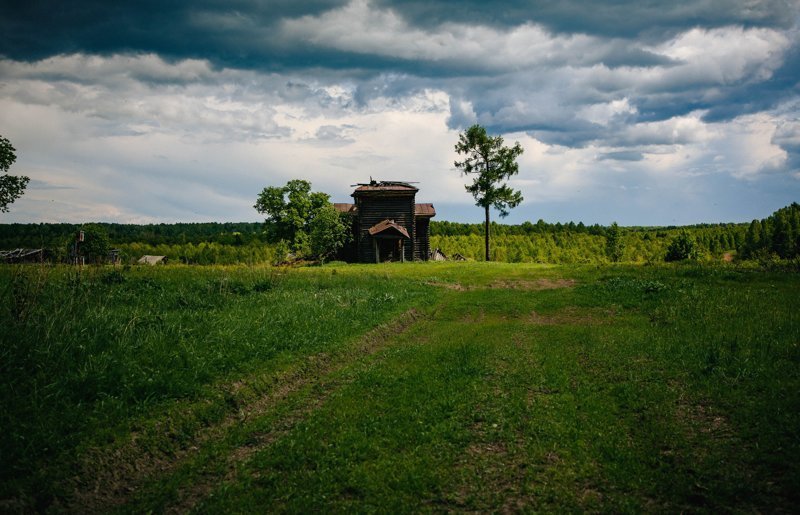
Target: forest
column 776, row 237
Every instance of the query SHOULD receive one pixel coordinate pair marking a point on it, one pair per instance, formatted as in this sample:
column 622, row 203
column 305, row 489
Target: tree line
column 251, row 242
column 775, row 236
column 53, row 235
column 556, row 243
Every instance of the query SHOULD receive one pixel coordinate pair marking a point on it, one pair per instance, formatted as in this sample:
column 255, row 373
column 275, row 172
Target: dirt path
column 110, row 478
column 120, row 477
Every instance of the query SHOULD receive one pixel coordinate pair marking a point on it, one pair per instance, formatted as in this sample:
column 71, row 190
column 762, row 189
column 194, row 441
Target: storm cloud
column 639, row 112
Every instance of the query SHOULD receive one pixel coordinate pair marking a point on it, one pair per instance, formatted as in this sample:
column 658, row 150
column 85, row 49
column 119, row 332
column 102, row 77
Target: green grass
column 402, row 388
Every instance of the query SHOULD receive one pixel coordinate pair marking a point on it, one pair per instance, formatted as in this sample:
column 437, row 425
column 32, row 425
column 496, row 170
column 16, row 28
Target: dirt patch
column 703, row 420
column 471, row 317
column 515, row 284
column 573, row 316
column 537, row 285
column 502, row 479
column 110, row 476
column 449, row 286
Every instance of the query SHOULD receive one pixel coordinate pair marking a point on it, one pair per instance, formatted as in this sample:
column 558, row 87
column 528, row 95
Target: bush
column 280, row 255
column 682, row 247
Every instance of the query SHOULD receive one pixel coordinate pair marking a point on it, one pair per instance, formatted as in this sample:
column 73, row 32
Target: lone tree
column 11, row 186
column 491, row 163
column 302, row 220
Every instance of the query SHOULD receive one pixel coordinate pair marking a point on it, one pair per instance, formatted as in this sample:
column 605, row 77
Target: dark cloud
column 625, row 155
column 230, row 33
column 764, row 95
column 610, row 18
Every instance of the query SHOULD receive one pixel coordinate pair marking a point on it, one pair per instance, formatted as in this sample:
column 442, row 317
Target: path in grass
column 143, row 478
column 114, row 476
column 509, row 389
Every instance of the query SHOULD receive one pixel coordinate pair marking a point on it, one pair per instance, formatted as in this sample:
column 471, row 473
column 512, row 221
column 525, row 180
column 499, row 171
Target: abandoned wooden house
column 387, row 223
column 26, row 255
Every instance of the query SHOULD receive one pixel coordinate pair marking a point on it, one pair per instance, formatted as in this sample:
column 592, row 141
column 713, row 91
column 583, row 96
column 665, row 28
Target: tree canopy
column 304, row 220
column 491, row 163
column 682, row 247
column 778, row 234
column 11, row 187
column 95, row 245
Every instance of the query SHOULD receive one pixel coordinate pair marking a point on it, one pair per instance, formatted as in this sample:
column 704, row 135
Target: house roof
column 151, row 260
column 387, row 225
column 385, row 186
column 19, row 253
column 344, row 207
column 424, row 210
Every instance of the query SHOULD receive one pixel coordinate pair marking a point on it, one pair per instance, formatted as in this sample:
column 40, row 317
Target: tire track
column 111, row 477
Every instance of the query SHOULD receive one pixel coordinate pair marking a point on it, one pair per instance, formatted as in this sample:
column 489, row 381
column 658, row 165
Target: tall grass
column 86, row 351
column 524, row 388
column 664, row 389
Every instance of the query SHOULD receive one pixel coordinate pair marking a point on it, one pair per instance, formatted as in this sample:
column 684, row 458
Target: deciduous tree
column 11, row 186
column 305, row 220
column 491, row 163
column 95, row 246
column 328, row 233
column 289, row 209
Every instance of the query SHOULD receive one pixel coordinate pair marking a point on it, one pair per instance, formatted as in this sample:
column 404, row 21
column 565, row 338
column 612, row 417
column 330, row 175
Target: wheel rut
column 112, row 478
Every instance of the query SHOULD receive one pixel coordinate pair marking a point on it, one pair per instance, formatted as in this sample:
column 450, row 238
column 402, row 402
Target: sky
column 642, row 112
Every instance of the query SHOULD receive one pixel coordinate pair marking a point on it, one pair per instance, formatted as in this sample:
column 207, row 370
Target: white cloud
column 362, row 28
column 603, row 113
column 202, row 151
column 93, row 69
column 724, row 55
column 747, row 147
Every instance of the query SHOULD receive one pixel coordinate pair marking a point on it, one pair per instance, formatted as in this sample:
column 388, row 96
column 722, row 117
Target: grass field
column 400, row 388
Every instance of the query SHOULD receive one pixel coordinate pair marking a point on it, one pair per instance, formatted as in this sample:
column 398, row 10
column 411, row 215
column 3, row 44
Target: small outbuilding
column 152, row 260
column 25, row 255
column 438, row 255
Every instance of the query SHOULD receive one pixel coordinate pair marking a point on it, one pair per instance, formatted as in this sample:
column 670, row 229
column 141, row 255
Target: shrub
column 682, row 247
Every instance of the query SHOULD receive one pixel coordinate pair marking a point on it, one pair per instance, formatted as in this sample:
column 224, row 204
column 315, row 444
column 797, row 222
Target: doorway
column 388, row 250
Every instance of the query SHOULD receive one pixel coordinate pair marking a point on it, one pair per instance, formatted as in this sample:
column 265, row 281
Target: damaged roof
column 386, row 186
column 386, row 225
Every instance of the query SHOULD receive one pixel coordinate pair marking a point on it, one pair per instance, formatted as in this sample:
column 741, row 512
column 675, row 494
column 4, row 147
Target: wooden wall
column 422, row 239
column 375, row 207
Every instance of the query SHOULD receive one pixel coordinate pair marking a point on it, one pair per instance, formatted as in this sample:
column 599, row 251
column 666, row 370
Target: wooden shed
column 388, row 225
column 152, row 260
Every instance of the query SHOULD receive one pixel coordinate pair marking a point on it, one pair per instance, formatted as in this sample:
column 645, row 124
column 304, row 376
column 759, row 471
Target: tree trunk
column 487, row 233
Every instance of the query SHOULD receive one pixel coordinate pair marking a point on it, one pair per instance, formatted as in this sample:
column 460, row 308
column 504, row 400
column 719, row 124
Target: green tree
column 491, row 163
column 95, row 245
column 328, row 232
column 615, row 246
column 11, row 186
column 305, row 220
column 289, row 209
column 682, row 247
